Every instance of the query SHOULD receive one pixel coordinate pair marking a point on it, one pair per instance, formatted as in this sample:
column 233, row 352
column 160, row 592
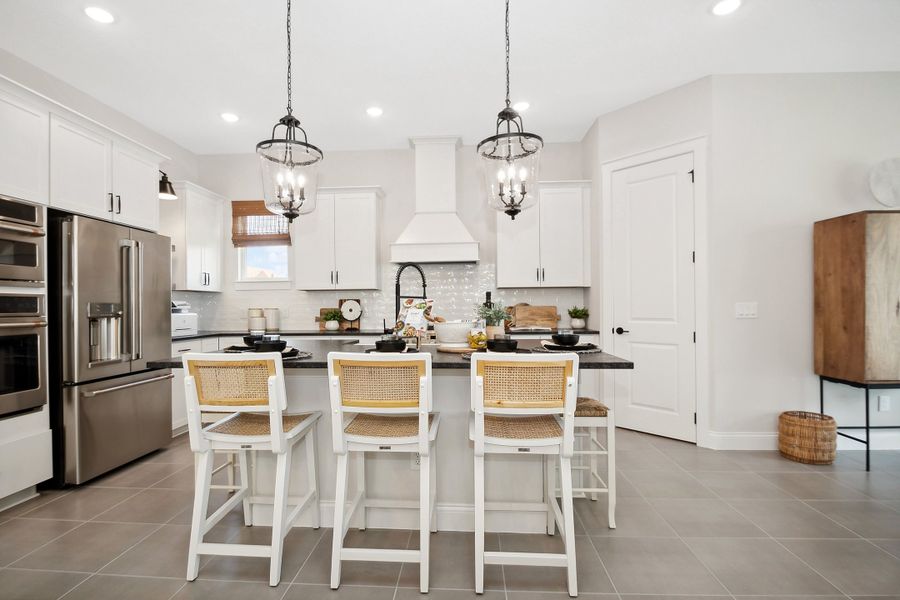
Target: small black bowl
column 502, row 345
column 249, row 340
column 566, row 339
column 269, row 345
column 394, row 345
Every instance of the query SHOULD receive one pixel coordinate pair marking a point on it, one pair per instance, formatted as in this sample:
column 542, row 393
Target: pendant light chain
column 289, row 56
column 507, row 53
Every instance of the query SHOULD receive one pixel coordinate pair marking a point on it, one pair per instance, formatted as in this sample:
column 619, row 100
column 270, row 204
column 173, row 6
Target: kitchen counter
column 439, row 360
column 516, row 477
column 360, row 332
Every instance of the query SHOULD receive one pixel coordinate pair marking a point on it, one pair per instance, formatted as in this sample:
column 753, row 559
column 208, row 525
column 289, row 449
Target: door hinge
column 695, row 337
column 695, row 418
column 691, row 173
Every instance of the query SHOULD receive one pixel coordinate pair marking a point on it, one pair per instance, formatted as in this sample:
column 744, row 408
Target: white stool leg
column 340, row 499
column 232, row 462
column 279, row 514
column 565, row 474
column 479, row 524
column 550, row 493
column 245, row 485
column 202, row 481
column 424, row 520
column 611, row 467
column 593, row 439
column 433, row 512
column 361, row 486
column 312, row 476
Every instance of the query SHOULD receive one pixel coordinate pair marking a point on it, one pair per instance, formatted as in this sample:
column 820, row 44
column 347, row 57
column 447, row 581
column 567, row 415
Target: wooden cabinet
column 857, row 296
column 92, row 174
column 547, row 245
column 195, row 223
column 24, row 148
column 337, row 245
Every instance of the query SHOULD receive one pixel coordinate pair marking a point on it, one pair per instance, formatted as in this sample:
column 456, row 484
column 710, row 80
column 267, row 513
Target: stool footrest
column 380, row 555
column 234, row 549
column 528, row 559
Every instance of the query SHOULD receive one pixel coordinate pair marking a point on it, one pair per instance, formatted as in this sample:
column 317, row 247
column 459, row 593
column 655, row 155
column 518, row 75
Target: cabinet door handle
column 332, row 277
column 537, row 274
column 118, row 204
column 337, row 277
column 543, row 275
column 110, row 202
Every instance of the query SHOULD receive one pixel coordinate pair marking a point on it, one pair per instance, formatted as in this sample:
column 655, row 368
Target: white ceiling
column 435, row 67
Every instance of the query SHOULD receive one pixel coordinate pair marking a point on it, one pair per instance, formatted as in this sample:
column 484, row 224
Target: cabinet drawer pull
column 110, row 202
column 118, row 204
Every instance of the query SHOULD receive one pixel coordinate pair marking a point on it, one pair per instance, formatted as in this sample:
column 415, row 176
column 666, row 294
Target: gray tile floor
column 691, row 523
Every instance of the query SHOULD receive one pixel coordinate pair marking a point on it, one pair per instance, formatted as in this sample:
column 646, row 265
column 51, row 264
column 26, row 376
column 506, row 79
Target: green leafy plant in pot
column 495, row 317
column 579, row 316
column 332, row 319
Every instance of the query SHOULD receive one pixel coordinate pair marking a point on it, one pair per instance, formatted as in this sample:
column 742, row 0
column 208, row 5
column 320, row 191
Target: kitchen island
column 395, row 476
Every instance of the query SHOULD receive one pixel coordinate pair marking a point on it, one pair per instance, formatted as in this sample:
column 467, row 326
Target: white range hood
column 435, row 234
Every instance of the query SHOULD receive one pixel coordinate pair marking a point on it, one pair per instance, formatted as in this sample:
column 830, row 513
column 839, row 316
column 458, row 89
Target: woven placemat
column 548, row 351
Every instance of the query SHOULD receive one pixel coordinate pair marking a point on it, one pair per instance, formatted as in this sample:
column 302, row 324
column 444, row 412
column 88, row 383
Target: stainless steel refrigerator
column 110, row 294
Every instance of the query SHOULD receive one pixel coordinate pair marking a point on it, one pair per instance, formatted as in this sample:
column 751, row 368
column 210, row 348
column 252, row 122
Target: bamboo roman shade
column 253, row 225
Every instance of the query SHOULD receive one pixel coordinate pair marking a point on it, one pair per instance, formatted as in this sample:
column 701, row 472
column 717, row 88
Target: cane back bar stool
column 526, row 403
column 253, row 391
column 382, row 403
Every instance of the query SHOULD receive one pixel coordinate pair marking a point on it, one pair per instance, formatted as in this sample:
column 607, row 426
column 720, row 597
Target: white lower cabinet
column 26, row 452
column 547, row 245
column 337, row 245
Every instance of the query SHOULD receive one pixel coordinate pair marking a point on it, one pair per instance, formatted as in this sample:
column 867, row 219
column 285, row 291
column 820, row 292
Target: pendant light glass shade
column 289, row 169
column 510, row 159
column 288, row 163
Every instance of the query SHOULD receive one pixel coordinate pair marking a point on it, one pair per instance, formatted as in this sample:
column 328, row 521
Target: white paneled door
column 653, row 316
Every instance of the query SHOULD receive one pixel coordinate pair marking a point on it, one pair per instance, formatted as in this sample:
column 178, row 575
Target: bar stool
column 526, row 403
column 253, row 391
column 590, row 417
column 382, row 403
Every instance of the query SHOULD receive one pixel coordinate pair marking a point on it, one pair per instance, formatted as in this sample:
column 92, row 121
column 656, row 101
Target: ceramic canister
column 273, row 319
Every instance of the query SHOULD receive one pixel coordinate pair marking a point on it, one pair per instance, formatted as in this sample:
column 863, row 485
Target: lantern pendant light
column 510, row 159
column 288, row 163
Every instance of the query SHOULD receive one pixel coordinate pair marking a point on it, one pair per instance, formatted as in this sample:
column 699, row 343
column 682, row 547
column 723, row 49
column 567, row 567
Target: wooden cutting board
column 526, row 315
column 455, row 349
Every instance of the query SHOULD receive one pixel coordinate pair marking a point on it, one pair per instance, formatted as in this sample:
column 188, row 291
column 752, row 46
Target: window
column 263, row 242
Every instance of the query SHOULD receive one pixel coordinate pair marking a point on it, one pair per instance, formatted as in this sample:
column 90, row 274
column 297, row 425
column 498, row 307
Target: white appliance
column 435, row 234
column 184, row 324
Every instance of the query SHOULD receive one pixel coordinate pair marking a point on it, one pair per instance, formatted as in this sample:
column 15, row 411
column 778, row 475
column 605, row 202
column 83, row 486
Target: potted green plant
column 332, row 319
column 495, row 316
column 579, row 316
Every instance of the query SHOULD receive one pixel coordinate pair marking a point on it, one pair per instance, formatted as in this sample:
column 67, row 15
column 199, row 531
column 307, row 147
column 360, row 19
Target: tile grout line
column 400, row 571
column 287, row 588
column 597, row 552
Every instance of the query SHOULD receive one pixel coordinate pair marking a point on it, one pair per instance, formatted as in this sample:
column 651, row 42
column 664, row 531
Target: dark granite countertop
column 440, row 360
column 361, row 332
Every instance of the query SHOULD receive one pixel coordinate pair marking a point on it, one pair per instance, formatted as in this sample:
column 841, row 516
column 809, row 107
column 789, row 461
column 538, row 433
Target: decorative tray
column 550, row 347
column 286, row 353
column 485, row 351
column 405, row 351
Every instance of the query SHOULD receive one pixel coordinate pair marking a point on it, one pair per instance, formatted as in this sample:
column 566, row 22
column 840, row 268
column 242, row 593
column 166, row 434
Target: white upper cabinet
column 24, row 148
column 547, row 245
column 337, row 245
column 136, row 186
column 96, row 174
column 80, row 169
column 195, row 224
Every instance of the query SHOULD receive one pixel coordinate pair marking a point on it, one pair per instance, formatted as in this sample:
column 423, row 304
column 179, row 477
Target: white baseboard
column 761, row 440
column 18, row 498
column 451, row 517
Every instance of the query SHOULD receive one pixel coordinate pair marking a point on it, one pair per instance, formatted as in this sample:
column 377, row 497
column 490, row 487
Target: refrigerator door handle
column 137, row 303
column 125, row 386
column 128, row 292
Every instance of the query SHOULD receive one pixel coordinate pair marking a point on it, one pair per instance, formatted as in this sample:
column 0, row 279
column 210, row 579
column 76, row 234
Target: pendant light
column 510, row 158
column 288, row 163
column 166, row 191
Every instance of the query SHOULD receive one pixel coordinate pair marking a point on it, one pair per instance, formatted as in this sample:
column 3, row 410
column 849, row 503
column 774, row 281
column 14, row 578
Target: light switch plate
column 746, row 310
column 884, row 403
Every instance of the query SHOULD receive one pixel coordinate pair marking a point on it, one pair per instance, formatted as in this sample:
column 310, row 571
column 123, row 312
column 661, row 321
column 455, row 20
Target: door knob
column 620, row 331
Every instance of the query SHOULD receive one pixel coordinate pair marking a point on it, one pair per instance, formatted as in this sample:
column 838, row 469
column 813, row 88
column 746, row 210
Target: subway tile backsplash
column 455, row 288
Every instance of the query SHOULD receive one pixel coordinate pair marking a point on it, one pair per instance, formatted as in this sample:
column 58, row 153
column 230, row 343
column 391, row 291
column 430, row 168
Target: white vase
column 332, row 325
column 579, row 324
column 491, row 330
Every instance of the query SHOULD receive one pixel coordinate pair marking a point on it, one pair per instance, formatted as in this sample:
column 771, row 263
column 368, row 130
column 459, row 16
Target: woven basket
column 807, row 437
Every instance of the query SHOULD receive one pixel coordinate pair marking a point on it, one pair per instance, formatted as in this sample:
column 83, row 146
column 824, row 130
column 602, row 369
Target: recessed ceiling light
column 100, row 15
column 374, row 111
column 520, row 106
column 725, row 7
column 230, row 117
